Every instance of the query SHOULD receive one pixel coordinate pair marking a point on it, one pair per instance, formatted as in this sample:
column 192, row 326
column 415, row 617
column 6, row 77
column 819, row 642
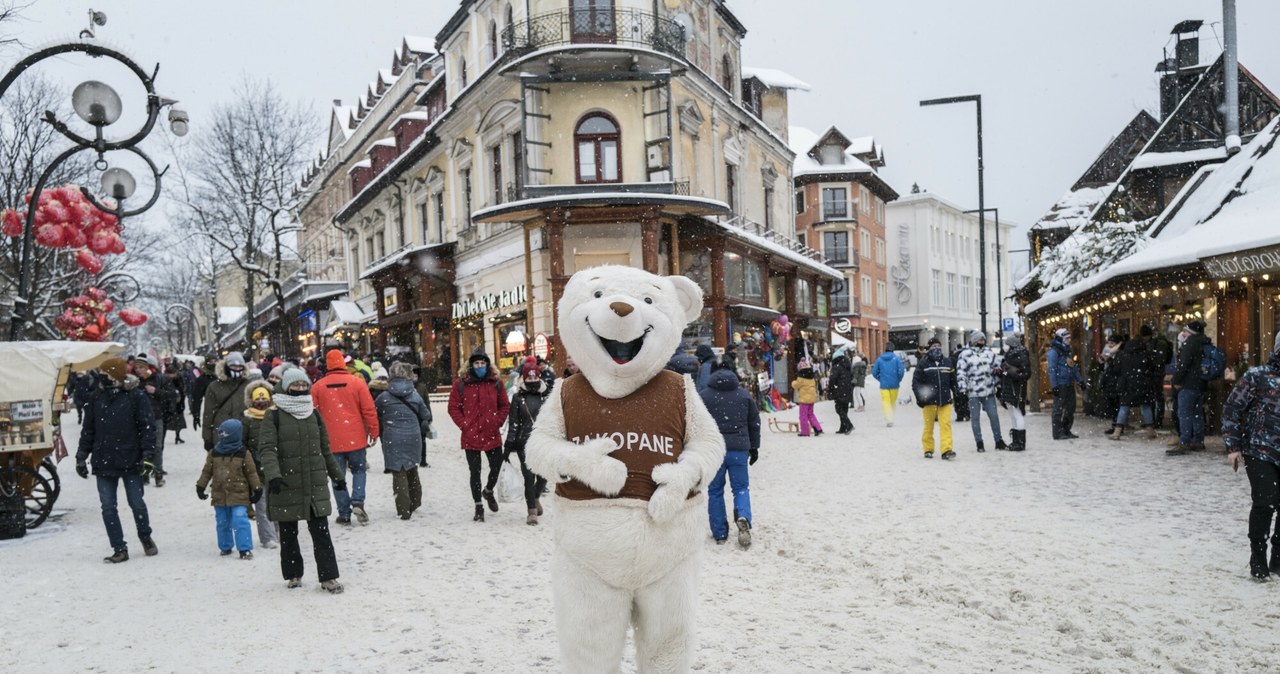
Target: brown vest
column 647, row 425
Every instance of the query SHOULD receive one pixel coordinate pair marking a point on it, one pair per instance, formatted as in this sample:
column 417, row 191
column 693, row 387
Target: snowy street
column 1083, row 556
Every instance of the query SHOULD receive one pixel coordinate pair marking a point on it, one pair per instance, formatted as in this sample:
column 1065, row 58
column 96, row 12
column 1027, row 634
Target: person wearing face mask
column 1064, row 376
column 524, row 410
column 933, row 385
column 404, row 419
column 164, row 403
column 344, row 403
column 257, row 396
column 224, row 398
column 298, row 465
column 478, row 404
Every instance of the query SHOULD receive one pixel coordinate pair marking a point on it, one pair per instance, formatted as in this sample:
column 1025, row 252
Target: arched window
column 597, row 149
column 493, row 40
column 510, row 18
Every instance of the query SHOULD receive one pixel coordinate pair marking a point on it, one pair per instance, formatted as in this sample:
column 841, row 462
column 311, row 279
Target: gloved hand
column 275, row 485
column 257, row 494
column 200, row 493
column 755, row 456
column 82, row 470
column 147, row 468
column 339, row 485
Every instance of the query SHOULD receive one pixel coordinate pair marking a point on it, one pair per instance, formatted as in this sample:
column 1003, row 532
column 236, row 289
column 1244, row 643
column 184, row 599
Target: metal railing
column 747, row 225
column 840, row 209
column 681, row 188
column 595, row 26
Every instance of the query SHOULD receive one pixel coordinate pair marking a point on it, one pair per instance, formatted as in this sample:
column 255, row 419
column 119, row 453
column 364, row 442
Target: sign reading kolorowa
column 1257, row 261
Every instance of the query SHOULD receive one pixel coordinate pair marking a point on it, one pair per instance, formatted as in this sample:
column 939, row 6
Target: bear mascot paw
column 631, row 448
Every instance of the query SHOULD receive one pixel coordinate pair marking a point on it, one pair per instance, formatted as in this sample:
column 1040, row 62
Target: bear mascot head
column 631, row 448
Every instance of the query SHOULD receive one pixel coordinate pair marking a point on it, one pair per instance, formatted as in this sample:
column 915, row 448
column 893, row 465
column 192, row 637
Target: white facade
column 934, row 270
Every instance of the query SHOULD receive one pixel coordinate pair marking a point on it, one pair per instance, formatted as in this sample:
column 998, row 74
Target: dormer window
column 831, row 154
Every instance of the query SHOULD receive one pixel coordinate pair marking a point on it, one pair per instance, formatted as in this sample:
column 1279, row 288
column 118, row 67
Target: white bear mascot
column 632, row 448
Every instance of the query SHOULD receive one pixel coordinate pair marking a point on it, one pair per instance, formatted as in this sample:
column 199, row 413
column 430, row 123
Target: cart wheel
column 38, row 494
column 49, row 470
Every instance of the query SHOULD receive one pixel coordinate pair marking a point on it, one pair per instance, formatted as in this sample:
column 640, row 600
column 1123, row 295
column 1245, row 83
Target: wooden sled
column 780, row 426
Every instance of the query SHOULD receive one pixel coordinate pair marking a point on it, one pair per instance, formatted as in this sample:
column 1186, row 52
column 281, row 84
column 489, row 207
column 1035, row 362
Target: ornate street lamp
column 99, row 105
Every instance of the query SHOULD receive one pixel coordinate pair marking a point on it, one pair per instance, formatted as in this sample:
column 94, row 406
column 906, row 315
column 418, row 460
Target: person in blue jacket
column 706, row 359
column 1064, row 376
column 888, row 371
column 738, row 419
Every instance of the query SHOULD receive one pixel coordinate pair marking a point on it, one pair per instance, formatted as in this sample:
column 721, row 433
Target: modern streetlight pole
column 982, row 220
column 100, row 106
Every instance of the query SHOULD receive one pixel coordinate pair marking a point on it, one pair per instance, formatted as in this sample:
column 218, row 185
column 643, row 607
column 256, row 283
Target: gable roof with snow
column 775, row 79
column 807, row 147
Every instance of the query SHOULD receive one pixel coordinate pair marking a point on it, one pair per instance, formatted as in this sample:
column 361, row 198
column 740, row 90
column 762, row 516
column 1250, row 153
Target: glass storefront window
column 804, row 297
column 733, row 274
column 754, row 289
column 697, row 266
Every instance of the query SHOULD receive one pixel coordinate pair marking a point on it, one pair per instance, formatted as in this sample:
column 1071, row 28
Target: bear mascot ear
column 689, row 295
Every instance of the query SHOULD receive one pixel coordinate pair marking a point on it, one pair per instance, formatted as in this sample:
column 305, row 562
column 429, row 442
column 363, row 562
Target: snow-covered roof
column 779, row 249
column 775, row 79
column 1153, row 159
column 363, row 163
column 394, row 257
column 344, row 114
column 1074, row 208
column 802, row 141
column 1234, row 209
column 384, row 142
column 231, row 315
column 413, row 114
column 419, row 44
column 344, row 312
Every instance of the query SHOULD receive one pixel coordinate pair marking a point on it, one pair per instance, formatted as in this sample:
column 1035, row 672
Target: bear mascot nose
column 621, row 308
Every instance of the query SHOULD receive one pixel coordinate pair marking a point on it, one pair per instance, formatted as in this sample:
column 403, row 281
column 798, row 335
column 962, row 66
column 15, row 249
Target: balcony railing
column 847, row 210
column 619, row 26
column 746, row 225
column 842, row 256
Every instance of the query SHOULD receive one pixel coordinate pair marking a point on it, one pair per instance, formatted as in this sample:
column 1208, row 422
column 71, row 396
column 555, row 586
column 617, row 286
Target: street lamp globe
column 178, row 120
column 96, row 103
column 118, row 183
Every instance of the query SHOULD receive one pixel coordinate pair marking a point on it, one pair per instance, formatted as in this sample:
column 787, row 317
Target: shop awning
column 346, row 314
column 751, row 312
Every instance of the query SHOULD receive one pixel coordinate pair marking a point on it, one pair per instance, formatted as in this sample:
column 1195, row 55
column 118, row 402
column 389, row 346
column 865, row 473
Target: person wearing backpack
column 478, row 404
column 1191, row 387
column 403, row 418
column 1251, row 431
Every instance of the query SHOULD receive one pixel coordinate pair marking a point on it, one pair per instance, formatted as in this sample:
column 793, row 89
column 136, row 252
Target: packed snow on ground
column 1081, row 556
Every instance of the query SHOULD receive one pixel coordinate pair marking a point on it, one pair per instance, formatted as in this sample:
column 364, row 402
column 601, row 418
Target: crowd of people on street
column 281, row 437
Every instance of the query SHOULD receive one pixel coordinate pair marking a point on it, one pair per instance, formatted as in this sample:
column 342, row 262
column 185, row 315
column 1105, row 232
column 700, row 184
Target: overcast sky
column 1058, row 79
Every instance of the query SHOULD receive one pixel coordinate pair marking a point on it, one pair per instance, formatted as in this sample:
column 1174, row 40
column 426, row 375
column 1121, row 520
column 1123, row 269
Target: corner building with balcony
column 564, row 134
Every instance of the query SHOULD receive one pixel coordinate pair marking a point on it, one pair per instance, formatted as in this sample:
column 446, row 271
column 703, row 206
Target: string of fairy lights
column 1188, row 310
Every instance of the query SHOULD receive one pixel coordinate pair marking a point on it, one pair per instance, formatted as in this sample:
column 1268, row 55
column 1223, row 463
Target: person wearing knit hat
column 975, row 374
column 405, row 420
column 525, row 405
column 1015, row 372
column 119, row 434
column 1064, row 376
column 1190, row 387
column 1251, row 433
column 478, row 404
column 164, row 404
column 346, row 407
column 258, row 402
column 224, row 397
column 380, row 381
column 806, row 392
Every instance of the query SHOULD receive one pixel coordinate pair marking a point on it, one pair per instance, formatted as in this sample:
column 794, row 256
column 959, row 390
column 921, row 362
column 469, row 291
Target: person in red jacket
column 478, row 404
column 348, row 413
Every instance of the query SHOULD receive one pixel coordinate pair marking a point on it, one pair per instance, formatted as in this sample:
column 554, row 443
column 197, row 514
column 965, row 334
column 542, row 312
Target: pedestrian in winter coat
column 1064, row 376
column 403, row 417
column 298, row 466
column 381, row 379
column 1251, row 429
column 179, row 422
column 961, row 401
column 1133, row 364
column 841, row 389
column 478, row 404
column 706, row 357
column 976, row 379
column 230, row 471
column 86, row 384
column 888, row 371
column 1014, row 372
column 223, row 398
column 1109, row 382
column 424, row 382
column 1162, row 354
column 525, row 406
column 806, row 390
column 346, row 406
column 257, row 399
column 164, row 404
column 199, row 386
column 933, row 386
column 683, row 363
column 738, row 420
column 119, row 433
column 858, row 372
column 1191, row 389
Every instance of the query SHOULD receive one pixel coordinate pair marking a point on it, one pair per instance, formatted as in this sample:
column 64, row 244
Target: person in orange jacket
column 346, row 407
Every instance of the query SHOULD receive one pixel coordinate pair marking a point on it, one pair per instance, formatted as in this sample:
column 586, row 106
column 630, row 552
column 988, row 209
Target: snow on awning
column 771, row 246
column 775, row 79
column 1153, row 159
column 231, row 315
column 752, row 312
column 345, row 313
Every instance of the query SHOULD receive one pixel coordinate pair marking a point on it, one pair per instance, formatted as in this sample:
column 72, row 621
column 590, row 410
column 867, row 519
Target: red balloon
column 50, row 235
column 92, row 332
column 117, row 244
column 75, row 237
column 12, row 223
column 96, row 293
column 100, row 242
column 88, row 261
column 108, row 306
column 132, row 317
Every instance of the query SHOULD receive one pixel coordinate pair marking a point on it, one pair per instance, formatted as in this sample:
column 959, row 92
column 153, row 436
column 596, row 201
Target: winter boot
column 1112, row 430
column 744, row 532
column 532, row 519
column 294, row 583
column 362, row 517
column 488, row 498
column 1177, row 451
column 479, row 513
column 1019, row 443
column 149, row 547
column 1000, row 442
column 948, row 455
column 332, row 586
column 1258, row 561
column 981, row 448
column 246, row 555
column 1151, row 432
column 117, row 557
column 1116, row 432
column 928, row 455
column 225, row 553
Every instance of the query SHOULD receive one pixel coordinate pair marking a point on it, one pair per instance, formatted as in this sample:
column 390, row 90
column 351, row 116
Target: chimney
column 337, row 102
column 1230, row 78
column 1186, row 57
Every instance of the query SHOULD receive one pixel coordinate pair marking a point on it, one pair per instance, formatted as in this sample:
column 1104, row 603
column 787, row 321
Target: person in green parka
column 297, row 465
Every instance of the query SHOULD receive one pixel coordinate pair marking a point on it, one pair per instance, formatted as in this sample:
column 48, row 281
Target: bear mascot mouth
column 623, row 352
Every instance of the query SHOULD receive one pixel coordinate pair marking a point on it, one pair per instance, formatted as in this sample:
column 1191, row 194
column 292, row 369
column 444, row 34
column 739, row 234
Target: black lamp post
column 100, row 106
column 982, row 221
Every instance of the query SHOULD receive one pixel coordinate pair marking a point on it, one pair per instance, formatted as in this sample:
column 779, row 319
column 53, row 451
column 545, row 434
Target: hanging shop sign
column 541, row 346
column 843, row 326
column 1257, row 261
column 490, row 302
column 390, row 300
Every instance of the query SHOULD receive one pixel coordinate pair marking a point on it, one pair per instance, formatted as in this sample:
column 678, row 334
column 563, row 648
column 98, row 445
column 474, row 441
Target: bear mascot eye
column 599, row 294
column 648, row 300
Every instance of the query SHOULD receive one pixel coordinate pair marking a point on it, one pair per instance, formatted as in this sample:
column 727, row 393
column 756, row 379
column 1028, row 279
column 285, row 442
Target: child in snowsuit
column 229, row 469
column 806, row 396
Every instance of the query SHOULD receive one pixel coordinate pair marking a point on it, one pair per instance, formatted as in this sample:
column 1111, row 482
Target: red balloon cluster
column 85, row 316
column 64, row 218
column 132, row 317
